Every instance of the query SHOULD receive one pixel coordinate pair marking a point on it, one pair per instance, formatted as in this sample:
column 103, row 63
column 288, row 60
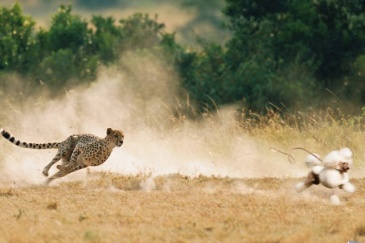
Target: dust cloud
column 142, row 98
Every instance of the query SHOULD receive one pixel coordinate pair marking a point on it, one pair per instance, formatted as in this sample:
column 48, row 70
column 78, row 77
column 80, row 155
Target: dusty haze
column 141, row 98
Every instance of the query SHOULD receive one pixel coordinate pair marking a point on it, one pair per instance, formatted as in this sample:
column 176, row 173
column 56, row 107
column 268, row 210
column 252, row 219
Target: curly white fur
column 331, row 173
column 313, row 160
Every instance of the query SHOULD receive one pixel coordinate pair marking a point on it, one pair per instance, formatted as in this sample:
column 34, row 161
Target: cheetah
column 77, row 151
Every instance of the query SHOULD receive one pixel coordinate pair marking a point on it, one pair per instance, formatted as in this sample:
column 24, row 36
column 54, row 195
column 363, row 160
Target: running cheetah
column 77, row 151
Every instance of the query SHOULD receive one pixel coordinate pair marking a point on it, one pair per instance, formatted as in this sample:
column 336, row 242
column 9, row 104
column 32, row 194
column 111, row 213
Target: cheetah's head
column 116, row 136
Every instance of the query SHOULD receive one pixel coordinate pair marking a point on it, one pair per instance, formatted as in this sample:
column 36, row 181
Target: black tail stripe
column 6, row 135
column 12, row 139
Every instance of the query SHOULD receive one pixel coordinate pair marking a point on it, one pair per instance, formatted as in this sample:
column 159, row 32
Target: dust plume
column 142, row 98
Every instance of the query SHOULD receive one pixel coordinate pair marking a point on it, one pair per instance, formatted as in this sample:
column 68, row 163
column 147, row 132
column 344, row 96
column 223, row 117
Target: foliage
column 142, row 31
column 15, row 39
column 282, row 54
column 63, row 50
column 71, row 49
column 204, row 75
column 67, row 31
column 106, row 41
column 324, row 36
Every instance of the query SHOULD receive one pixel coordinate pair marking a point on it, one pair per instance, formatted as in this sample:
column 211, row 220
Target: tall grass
column 318, row 131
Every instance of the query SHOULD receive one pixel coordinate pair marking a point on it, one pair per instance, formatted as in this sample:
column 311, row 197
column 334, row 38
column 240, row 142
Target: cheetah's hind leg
column 65, row 160
column 65, row 156
column 64, row 152
column 67, row 168
column 54, row 160
column 64, row 170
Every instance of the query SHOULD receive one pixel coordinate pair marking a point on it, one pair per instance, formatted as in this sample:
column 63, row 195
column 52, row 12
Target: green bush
column 106, row 42
column 16, row 41
column 286, row 53
column 283, row 53
column 72, row 49
column 324, row 36
column 204, row 75
column 141, row 32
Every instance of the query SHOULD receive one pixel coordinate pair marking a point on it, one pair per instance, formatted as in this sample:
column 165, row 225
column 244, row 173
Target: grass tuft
column 52, row 206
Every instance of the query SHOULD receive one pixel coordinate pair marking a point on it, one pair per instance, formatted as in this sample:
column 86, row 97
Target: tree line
column 287, row 53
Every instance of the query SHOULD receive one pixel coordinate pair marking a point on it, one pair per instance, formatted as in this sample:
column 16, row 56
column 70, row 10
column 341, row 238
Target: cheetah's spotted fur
column 77, row 151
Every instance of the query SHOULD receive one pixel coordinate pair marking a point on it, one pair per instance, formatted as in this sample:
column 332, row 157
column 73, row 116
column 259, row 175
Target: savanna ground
column 108, row 207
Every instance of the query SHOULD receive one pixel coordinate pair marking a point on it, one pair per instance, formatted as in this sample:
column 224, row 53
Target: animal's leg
column 63, row 152
column 348, row 187
column 64, row 163
column 73, row 160
column 335, row 200
column 311, row 179
column 65, row 171
column 70, row 167
column 301, row 186
column 54, row 160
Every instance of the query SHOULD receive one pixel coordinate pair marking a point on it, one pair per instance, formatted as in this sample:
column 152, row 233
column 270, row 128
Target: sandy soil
column 107, row 207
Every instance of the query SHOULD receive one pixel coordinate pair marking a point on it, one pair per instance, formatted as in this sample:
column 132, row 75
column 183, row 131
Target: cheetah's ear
column 108, row 131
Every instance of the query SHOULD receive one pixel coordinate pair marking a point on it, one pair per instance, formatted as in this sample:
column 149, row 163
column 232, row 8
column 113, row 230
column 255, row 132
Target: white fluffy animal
column 331, row 173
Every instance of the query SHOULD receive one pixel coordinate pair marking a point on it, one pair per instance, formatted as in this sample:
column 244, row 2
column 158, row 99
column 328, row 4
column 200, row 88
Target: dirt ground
column 109, row 207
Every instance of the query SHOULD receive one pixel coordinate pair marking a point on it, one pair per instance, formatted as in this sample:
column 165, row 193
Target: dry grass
column 112, row 208
column 318, row 131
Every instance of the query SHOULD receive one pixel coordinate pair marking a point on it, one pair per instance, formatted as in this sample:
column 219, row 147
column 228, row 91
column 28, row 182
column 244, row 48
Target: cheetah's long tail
column 8, row 136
